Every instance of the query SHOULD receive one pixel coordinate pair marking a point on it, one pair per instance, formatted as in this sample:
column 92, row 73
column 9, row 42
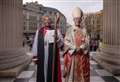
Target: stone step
column 24, row 76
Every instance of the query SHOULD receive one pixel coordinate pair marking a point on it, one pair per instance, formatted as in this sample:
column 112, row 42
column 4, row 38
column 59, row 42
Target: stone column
column 0, row 17
column 109, row 57
column 12, row 56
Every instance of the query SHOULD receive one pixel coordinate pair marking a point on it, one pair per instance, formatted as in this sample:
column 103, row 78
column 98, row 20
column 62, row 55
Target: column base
column 109, row 59
column 13, row 61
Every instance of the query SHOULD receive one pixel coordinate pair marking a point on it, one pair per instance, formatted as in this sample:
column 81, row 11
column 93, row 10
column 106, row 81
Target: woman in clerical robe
column 47, row 53
column 76, row 55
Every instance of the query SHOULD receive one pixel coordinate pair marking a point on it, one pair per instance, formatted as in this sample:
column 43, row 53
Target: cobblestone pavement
column 97, row 73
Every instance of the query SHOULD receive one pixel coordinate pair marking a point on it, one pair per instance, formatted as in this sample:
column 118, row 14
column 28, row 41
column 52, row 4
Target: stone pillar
column 109, row 57
column 0, row 17
column 11, row 30
column 12, row 55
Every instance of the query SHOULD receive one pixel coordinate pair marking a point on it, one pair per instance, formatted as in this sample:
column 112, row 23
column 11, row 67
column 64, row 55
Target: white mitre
column 77, row 12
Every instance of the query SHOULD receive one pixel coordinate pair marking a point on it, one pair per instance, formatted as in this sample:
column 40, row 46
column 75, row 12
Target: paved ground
column 97, row 73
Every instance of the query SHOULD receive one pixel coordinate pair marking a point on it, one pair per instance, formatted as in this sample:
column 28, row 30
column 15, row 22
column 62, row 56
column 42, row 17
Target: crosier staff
column 57, row 18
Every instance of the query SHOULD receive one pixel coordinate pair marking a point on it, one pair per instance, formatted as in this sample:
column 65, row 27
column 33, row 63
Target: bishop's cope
column 76, row 54
column 46, row 45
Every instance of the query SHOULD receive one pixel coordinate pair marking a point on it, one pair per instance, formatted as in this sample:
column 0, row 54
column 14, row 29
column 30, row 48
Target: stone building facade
column 33, row 13
column 94, row 24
